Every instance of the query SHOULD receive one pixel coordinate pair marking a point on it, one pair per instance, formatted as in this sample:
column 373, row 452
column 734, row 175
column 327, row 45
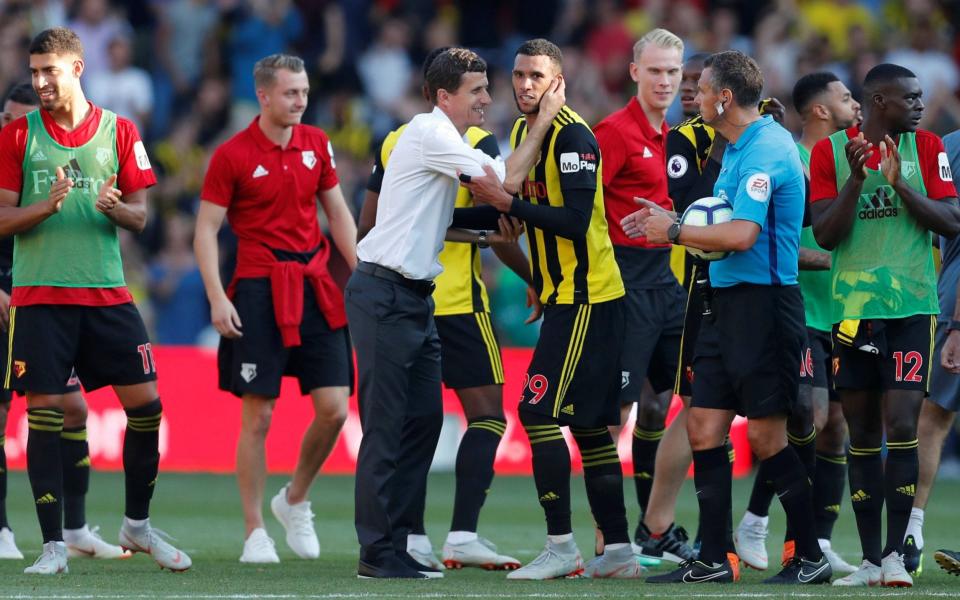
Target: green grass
column 202, row 512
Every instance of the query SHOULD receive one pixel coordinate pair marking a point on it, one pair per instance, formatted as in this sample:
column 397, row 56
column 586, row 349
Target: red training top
column 634, row 164
column 270, row 194
column 131, row 178
column 930, row 151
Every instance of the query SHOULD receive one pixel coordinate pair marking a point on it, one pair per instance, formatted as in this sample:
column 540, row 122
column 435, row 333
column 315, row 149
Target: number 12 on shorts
column 913, row 358
column 146, row 355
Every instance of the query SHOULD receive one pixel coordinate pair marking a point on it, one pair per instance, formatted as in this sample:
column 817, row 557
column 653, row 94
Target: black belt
column 423, row 287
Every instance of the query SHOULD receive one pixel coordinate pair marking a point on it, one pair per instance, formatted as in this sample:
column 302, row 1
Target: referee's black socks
column 75, row 458
column 551, row 469
column 866, row 494
column 3, row 482
column 792, row 485
column 644, row 445
column 475, row 457
column 603, row 477
column 899, row 488
column 141, row 457
column 713, row 480
column 44, row 469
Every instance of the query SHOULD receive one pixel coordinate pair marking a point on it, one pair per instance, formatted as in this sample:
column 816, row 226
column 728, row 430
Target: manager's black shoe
column 389, row 568
column 800, row 571
column 425, row 570
column 695, row 571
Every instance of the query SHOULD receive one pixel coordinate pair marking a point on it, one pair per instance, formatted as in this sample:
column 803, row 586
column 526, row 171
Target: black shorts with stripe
column 906, row 346
column 574, row 375
column 107, row 345
column 821, row 357
column 469, row 351
column 256, row 362
column 692, row 320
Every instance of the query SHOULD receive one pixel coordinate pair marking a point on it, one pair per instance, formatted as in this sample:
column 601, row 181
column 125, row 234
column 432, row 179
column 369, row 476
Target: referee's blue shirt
column 762, row 178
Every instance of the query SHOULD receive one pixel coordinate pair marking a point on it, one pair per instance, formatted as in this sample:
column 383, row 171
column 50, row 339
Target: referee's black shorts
column 574, row 375
column 469, row 351
column 748, row 352
column 256, row 362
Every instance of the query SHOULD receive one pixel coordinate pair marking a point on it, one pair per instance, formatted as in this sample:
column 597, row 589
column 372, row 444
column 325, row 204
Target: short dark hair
column 809, row 87
column 432, row 56
column 23, row 93
column 541, row 47
column 885, row 73
column 738, row 73
column 57, row 40
column 448, row 68
column 699, row 58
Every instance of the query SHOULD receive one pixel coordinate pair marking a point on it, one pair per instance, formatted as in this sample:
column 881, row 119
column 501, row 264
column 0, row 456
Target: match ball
column 707, row 211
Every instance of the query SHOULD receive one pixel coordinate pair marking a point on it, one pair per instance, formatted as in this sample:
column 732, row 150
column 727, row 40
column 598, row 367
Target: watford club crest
column 19, row 368
column 248, row 371
column 309, row 158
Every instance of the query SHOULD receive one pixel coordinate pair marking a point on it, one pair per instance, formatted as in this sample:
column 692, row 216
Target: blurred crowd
column 182, row 71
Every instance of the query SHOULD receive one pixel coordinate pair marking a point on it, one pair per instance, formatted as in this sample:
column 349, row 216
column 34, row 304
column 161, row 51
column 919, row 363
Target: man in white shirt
column 389, row 308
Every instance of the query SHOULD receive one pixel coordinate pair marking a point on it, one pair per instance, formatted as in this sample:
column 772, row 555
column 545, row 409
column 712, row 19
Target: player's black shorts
column 692, row 320
column 6, row 395
column 469, row 351
column 256, row 362
column 108, row 345
column 821, row 357
column 651, row 348
column 574, row 375
column 747, row 352
column 904, row 363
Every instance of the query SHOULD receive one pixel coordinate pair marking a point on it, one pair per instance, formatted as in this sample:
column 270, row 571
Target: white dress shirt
column 418, row 194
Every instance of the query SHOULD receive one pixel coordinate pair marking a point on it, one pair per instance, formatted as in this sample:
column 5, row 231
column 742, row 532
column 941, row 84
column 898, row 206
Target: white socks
column 915, row 526
column 420, row 543
column 560, row 539
column 751, row 519
column 461, row 537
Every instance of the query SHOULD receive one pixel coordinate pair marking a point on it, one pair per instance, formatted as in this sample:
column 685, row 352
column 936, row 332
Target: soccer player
column 282, row 314
column 939, row 409
column 825, row 106
column 470, row 364
column 632, row 142
column 70, row 306
column 389, row 300
column 576, row 274
column 875, row 201
column 746, row 353
column 80, row 539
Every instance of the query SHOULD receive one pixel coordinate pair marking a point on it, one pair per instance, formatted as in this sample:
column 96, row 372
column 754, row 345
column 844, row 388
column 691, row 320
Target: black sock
column 761, row 495
column 141, row 457
column 806, row 449
column 794, row 490
column 3, row 482
column 475, row 457
column 75, row 457
column 732, row 455
column 551, row 470
column 44, row 469
column 644, row 446
column 899, row 488
column 828, row 484
column 866, row 493
column 603, row 478
column 711, row 476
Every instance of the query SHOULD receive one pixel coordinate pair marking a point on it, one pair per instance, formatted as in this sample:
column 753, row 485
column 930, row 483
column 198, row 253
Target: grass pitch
column 203, row 513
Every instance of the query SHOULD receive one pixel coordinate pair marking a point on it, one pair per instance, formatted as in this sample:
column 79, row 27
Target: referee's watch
column 953, row 325
column 482, row 240
column 673, row 232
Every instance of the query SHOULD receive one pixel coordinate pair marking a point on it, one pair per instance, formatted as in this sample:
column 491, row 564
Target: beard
column 535, row 110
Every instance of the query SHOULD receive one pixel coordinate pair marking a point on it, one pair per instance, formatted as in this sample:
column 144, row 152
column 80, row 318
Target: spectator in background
column 176, row 289
column 609, row 45
column 834, row 18
column 385, row 70
column 97, row 25
column 123, row 88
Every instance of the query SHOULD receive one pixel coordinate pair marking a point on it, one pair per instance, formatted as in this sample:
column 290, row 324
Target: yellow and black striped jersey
column 571, row 256
column 460, row 288
column 689, row 177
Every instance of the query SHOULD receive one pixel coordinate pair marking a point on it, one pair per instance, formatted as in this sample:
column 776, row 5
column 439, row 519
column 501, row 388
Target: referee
column 389, row 304
column 746, row 355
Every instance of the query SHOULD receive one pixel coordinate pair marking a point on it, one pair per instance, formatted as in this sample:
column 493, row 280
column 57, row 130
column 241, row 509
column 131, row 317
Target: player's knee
column 256, row 421
column 901, row 431
column 651, row 415
column 331, row 416
column 530, row 418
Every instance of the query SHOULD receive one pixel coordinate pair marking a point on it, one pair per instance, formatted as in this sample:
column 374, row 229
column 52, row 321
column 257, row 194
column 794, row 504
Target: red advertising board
column 201, row 423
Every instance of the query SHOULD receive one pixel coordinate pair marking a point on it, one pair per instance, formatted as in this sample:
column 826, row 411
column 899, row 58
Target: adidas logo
column 260, row 172
column 47, row 498
column 38, row 155
column 647, row 153
column 567, row 410
column 859, row 496
column 878, row 205
column 83, row 462
column 548, row 497
column 643, row 475
column 834, row 508
column 907, row 490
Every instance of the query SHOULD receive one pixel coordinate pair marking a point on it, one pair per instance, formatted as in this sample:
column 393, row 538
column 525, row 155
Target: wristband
column 953, row 325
